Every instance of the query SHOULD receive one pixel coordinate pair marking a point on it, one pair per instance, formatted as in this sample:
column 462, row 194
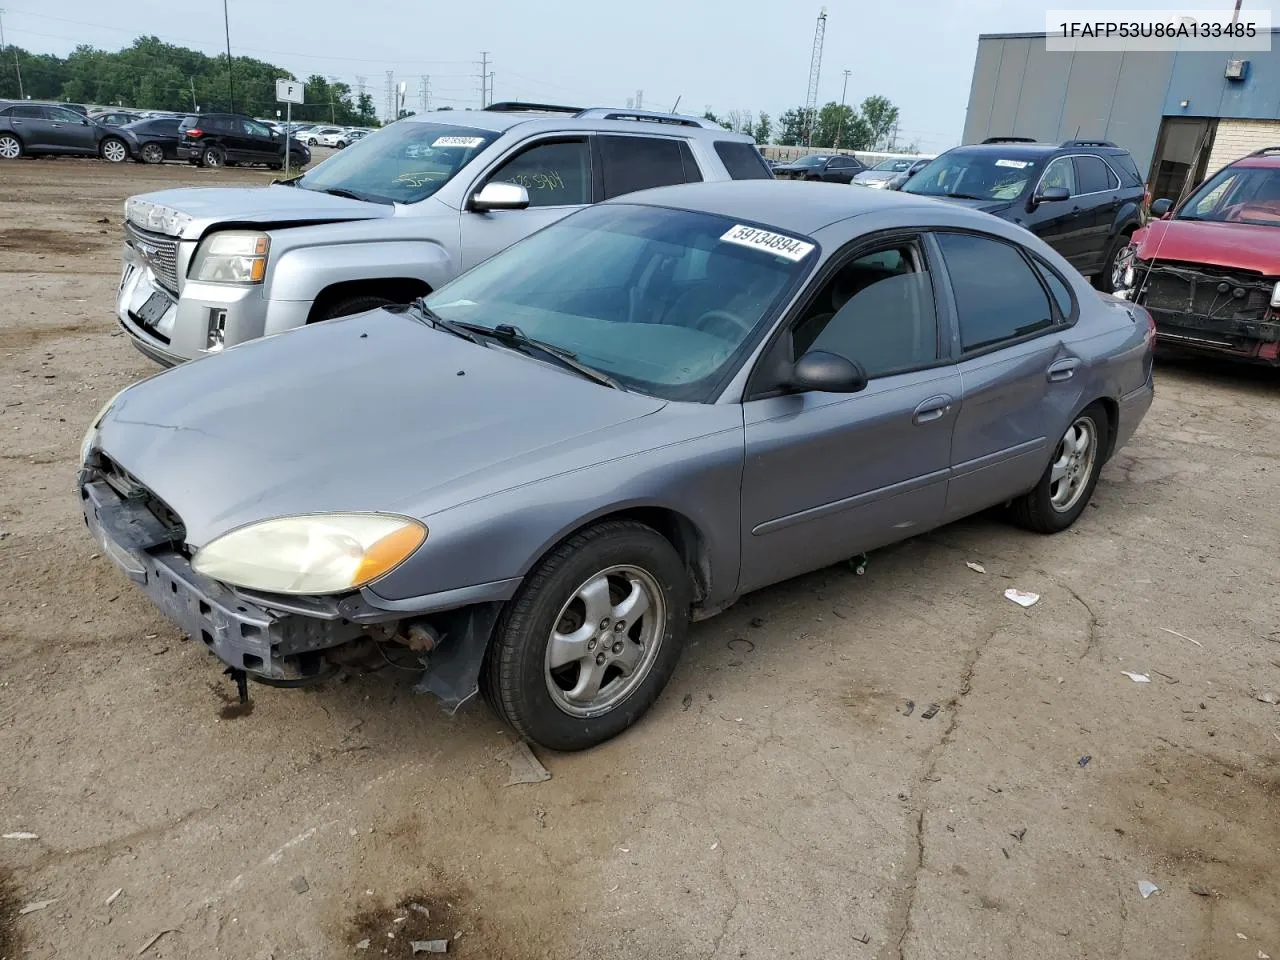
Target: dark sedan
column 157, row 139
column 831, row 168
column 46, row 128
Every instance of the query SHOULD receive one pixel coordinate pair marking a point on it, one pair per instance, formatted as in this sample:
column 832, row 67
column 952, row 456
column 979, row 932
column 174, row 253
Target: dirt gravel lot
column 781, row 800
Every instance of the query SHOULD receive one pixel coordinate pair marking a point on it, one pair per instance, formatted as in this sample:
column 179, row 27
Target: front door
column 70, row 131
column 831, row 475
column 258, row 145
column 1063, row 224
column 1015, row 369
column 557, row 174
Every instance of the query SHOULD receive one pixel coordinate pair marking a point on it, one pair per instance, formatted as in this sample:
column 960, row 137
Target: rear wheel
column 591, row 638
column 113, row 150
column 1068, row 482
column 10, row 147
column 152, row 153
column 213, row 156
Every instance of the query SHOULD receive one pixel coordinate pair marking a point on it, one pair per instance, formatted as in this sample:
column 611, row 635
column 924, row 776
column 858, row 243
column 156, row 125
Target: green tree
column 792, row 127
column 763, row 128
column 880, row 116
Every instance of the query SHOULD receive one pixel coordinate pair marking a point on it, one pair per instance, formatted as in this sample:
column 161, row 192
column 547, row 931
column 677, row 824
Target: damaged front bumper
column 287, row 641
column 1210, row 310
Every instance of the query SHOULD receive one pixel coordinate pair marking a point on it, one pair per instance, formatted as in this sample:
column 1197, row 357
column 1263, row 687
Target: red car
column 1209, row 271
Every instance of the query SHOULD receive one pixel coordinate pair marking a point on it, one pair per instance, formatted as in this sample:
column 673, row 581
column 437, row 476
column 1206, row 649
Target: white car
column 323, row 136
column 349, row 137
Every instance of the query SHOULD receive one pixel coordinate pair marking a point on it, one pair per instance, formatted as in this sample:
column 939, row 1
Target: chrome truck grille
column 160, row 253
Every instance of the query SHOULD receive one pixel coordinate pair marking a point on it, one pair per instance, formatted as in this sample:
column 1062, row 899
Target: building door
column 1181, row 156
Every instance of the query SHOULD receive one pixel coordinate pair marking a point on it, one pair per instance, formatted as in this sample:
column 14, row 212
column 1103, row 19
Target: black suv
column 217, row 139
column 1084, row 198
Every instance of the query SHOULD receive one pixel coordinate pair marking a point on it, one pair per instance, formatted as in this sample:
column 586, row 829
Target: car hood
column 372, row 412
column 1244, row 246
column 986, row 206
column 260, row 206
column 873, row 176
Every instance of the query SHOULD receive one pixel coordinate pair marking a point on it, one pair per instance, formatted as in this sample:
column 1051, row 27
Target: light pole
column 231, row 83
column 840, row 123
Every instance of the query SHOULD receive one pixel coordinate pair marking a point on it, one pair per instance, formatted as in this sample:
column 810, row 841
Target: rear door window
column 1128, row 170
column 1093, row 176
column 998, row 297
column 742, row 161
column 638, row 163
column 28, row 111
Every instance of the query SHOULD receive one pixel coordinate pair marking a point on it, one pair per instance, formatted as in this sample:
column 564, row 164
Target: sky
column 746, row 55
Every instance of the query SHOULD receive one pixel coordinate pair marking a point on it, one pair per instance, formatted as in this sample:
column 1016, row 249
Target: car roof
column 790, row 205
column 1020, row 149
column 589, row 119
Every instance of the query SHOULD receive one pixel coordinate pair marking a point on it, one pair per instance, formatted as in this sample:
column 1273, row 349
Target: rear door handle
column 935, row 408
column 1061, row 370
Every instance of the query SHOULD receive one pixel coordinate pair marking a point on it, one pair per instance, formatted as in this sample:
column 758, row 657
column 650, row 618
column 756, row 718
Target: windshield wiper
column 517, row 339
column 440, row 323
column 964, row 196
column 351, row 195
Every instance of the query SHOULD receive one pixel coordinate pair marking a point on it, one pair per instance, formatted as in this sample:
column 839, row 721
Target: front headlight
column 1275, row 295
column 232, row 256
column 316, row 554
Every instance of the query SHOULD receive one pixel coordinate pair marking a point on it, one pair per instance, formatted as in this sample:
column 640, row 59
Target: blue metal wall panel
column 1198, row 78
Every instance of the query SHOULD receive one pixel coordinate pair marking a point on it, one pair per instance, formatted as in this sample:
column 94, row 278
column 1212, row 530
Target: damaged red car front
column 1209, row 271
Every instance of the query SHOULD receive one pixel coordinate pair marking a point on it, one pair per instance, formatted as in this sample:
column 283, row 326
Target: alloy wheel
column 605, row 641
column 1073, row 464
column 113, row 151
column 152, row 153
column 10, row 148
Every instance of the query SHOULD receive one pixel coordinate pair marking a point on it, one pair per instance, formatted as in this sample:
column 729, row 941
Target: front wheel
column 1111, row 277
column 591, row 638
column 10, row 147
column 113, row 150
column 1068, row 482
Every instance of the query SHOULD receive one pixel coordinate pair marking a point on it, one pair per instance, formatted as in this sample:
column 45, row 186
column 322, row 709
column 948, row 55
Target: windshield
column 664, row 301
column 974, row 175
column 896, row 165
column 402, row 163
column 1237, row 195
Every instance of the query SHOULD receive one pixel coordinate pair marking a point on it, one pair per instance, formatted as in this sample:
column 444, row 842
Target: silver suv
column 391, row 217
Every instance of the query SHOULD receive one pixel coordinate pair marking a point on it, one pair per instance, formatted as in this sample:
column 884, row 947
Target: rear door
column 557, row 172
column 829, row 475
column 1017, row 372
column 32, row 124
column 1100, row 201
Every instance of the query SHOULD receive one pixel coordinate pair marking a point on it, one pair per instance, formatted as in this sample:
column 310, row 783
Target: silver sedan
column 532, row 481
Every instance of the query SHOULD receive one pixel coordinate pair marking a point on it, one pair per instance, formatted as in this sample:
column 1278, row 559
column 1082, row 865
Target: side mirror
column 500, row 196
column 1052, row 195
column 1160, row 208
column 821, row 372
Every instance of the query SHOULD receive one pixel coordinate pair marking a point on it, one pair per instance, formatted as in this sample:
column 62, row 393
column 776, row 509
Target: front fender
column 301, row 273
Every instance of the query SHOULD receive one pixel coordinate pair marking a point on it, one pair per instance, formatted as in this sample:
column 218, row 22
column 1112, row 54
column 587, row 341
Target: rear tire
column 353, row 305
column 113, row 150
column 1069, row 480
column 10, row 147
column 213, row 157
column 152, row 153
column 591, row 638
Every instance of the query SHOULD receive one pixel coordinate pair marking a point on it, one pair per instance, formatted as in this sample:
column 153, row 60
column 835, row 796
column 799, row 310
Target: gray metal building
column 1181, row 114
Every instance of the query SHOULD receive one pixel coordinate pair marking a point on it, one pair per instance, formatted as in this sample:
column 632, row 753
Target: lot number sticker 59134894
column 789, row 248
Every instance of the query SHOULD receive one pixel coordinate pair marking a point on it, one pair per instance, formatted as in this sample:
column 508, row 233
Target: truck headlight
column 232, row 256
column 315, row 554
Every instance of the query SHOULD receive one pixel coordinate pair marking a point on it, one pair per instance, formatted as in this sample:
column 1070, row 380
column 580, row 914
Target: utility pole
column 194, row 108
column 840, row 123
column 333, row 82
column 16, row 66
column 1235, row 17
column 490, row 94
column 231, row 82
column 639, row 99
column 484, row 79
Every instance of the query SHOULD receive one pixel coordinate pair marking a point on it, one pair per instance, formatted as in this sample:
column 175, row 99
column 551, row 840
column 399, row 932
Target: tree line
column 153, row 75
column 870, row 126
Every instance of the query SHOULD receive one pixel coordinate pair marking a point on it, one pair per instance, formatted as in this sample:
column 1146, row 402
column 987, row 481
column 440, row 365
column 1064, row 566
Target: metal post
column 231, row 83
column 288, row 123
column 840, row 123
column 194, row 108
column 1235, row 17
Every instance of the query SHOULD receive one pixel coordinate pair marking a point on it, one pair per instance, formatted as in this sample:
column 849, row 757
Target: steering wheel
column 716, row 322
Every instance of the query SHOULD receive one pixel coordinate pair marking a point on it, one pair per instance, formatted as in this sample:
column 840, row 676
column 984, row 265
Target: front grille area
column 130, row 489
column 1209, row 292
column 159, row 251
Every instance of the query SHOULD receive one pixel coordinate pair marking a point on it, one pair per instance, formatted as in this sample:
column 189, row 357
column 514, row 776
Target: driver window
column 255, row 129
column 878, row 311
column 1060, row 173
column 556, row 174
column 63, row 115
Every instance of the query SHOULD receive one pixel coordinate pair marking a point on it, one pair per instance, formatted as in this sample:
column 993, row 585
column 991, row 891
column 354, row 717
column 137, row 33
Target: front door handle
column 935, row 408
column 1061, row 370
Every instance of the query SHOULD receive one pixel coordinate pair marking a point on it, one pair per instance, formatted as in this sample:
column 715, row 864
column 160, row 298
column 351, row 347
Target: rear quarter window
column 1126, row 169
column 742, row 161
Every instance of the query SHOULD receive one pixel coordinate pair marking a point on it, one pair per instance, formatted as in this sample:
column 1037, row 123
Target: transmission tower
column 424, row 92
column 361, row 84
column 391, row 96
column 815, row 68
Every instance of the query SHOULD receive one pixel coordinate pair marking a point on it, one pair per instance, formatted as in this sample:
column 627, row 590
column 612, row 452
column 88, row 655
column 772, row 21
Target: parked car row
column 565, row 381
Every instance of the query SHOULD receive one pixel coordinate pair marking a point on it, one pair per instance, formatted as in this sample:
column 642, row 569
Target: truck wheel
column 591, row 638
column 354, row 305
column 113, row 150
column 1067, row 485
column 213, row 156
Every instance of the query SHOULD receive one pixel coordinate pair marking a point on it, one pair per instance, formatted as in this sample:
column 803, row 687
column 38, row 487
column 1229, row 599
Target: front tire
column 113, row 150
column 10, row 147
column 591, row 638
column 1111, row 277
column 1069, row 480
